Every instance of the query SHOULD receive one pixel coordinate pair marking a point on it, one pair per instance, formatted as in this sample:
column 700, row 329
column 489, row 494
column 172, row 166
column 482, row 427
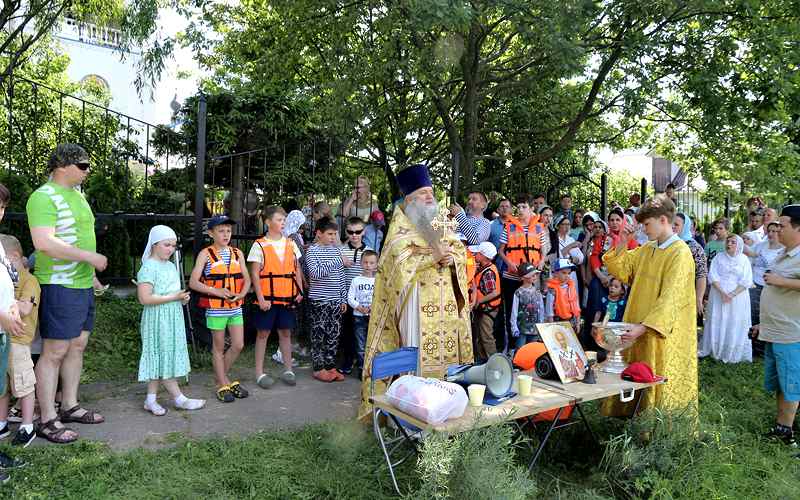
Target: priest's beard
column 421, row 214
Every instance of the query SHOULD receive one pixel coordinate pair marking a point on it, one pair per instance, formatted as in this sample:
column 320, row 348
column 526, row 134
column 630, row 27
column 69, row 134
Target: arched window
column 97, row 80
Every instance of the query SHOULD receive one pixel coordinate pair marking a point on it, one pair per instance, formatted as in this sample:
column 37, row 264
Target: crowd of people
column 312, row 278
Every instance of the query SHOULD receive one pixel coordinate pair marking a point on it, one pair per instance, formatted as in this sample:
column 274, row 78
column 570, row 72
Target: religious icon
column 565, row 350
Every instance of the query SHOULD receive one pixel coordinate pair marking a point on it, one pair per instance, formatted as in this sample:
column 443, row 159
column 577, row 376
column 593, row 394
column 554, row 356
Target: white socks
column 184, row 403
column 151, row 405
column 27, row 427
column 150, row 399
column 3, row 423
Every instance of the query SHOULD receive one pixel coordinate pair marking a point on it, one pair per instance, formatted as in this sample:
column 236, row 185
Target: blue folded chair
column 388, row 365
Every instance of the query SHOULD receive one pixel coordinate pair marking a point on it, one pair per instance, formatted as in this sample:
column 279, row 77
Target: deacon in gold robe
column 421, row 292
column 662, row 305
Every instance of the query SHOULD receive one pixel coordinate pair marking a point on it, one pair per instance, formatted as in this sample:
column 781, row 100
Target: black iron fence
column 135, row 181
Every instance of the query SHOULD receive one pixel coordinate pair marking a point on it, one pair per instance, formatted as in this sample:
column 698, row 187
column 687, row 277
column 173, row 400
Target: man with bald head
column 420, row 297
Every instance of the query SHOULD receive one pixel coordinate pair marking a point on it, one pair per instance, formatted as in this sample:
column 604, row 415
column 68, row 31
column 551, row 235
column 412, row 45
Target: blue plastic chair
column 386, row 366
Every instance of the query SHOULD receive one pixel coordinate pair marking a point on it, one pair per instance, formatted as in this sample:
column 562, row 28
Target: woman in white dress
column 728, row 312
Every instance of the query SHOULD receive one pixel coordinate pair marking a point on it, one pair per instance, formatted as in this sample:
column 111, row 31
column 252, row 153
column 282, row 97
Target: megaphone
column 497, row 374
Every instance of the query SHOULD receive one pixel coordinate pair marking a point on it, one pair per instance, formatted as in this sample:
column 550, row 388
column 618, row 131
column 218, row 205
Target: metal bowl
column 609, row 337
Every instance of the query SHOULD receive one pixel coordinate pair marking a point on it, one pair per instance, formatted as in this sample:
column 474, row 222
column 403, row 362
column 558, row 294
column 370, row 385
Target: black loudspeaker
column 545, row 368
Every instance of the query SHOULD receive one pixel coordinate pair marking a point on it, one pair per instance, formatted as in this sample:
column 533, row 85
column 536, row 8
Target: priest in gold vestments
column 662, row 304
column 421, row 290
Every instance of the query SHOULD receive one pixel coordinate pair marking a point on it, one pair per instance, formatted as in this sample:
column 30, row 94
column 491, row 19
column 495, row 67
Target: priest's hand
column 625, row 236
column 634, row 333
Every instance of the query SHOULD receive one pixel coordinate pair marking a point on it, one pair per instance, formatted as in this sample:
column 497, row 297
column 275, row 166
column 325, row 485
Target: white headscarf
column 738, row 265
column 157, row 233
column 294, row 220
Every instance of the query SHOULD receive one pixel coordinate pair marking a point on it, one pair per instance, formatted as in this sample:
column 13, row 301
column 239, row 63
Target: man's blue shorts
column 782, row 369
column 277, row 316
column 65, row 312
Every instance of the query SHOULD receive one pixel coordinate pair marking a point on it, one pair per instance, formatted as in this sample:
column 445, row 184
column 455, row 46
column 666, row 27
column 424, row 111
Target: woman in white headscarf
column 728, row 312
column 165, row 356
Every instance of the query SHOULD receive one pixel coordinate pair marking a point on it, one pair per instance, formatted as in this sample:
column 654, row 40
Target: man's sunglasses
column 350, row 231
column 83, row 166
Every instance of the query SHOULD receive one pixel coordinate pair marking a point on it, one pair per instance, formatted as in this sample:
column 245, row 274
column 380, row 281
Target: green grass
column 723, row 457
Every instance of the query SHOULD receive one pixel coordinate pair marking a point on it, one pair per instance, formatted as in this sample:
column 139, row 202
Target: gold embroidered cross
column 443, row 222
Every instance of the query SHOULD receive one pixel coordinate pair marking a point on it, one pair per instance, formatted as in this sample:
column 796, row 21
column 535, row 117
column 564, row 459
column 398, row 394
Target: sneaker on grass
column 783, row 434
column 23, row 438
column 5, row 432
column 7, row 462
column 14, row 415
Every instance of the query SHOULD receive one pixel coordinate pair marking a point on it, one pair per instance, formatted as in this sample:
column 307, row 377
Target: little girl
column 164, row 353
column 614, row 304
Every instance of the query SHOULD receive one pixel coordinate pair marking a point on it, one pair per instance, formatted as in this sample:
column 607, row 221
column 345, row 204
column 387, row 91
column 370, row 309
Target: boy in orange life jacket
column 562, row 295
column 524, row 239
column 277, row 283
column 486, row 284
column 221, row 277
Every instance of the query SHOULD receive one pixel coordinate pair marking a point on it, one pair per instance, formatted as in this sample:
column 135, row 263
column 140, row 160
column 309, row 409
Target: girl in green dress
column 164, row 353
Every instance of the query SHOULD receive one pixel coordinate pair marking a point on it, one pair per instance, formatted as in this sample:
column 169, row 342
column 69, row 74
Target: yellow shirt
column 662, row 298
column 25, row 290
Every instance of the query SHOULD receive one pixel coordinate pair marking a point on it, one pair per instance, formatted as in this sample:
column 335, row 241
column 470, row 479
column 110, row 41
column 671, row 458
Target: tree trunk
column 237, row 191
column 470, row 68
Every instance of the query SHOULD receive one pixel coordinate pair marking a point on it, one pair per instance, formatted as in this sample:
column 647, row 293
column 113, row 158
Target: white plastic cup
column 525, row 382
column 476, row 392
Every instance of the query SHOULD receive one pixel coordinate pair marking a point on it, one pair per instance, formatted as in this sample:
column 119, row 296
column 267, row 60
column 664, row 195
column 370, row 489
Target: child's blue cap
column 218, row 220
column 563, row 264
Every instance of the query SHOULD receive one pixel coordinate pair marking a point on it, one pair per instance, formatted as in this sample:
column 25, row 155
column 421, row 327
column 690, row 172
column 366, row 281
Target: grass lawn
column 725, row 459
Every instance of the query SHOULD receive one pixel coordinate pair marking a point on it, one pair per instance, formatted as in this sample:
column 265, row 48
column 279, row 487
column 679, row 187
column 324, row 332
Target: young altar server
column 661, row 306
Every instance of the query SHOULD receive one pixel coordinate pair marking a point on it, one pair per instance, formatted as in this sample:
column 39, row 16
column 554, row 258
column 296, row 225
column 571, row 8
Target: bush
column 114, row 345
column 476, row 464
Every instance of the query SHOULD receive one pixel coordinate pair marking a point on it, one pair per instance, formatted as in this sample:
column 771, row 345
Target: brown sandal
column 54, row 434
column 86, row 418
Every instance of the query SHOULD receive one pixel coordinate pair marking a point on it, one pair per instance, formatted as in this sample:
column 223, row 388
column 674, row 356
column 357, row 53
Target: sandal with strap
column 89, row 417
column 50, row 432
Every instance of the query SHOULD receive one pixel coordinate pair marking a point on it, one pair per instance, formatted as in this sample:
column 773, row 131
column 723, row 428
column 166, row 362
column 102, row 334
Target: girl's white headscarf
column 294, row 220
column 157, row 233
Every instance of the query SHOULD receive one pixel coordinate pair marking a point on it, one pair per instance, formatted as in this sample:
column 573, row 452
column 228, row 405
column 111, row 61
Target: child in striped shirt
column 220, row 277
column 327, row 299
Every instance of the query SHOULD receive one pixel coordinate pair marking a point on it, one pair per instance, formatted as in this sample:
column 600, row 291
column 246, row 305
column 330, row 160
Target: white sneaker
column 278, row 357
column 191, row 404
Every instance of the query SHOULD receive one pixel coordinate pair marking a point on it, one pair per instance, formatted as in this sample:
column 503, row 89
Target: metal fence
column 132, row 184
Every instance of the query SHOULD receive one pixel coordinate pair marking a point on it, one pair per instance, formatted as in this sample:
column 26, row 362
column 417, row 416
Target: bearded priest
column 421, row 291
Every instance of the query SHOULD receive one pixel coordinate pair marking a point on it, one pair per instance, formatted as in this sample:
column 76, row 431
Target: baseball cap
column 563, row 264
column 525, row 269
column 640, row 372
column 219, row 220
column 377, row 217
column 486, row 248
column 67, row 154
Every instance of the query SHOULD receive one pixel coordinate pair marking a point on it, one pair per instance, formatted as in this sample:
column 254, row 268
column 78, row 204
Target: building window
column 96, row 80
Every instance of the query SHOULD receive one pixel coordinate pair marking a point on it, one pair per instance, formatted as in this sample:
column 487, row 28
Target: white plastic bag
column 431, row 400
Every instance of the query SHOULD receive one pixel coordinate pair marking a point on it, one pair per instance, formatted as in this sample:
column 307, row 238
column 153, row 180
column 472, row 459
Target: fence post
column 603, row 195
column 200, row 174
column 727, row 206
column 643, row 190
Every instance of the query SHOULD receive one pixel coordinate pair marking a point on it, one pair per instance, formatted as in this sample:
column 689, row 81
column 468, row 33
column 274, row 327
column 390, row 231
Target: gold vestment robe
column 662, row 298
column 407, row 266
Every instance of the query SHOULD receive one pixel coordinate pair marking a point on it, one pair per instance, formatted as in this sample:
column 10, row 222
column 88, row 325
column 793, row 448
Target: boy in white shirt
column 359, row 298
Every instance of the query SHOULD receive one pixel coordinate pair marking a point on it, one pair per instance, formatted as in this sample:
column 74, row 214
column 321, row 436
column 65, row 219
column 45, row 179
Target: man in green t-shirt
column 62, row 229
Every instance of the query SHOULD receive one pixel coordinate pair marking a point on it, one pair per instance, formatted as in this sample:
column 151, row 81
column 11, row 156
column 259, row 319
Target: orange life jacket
column 566, row 303
column 471, row 267
column 277, row 278
column 522, row 246
column 495, row 302
column 222, row 276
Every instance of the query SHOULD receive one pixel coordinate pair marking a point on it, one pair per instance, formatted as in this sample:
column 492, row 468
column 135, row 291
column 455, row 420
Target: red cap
column 640, row 372
column 377, row 216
